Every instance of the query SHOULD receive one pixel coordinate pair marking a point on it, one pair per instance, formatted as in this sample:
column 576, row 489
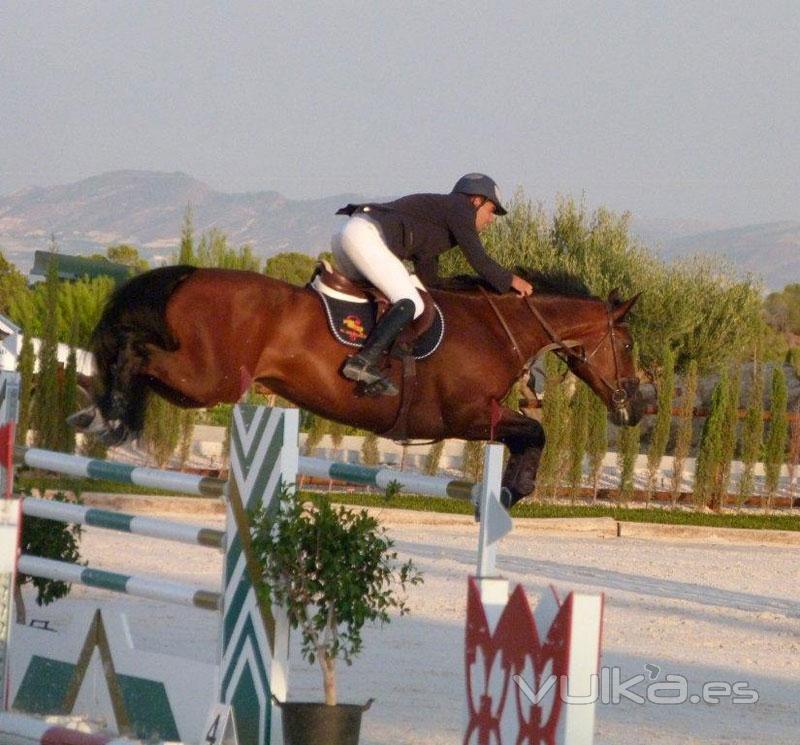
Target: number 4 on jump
column 220, row 728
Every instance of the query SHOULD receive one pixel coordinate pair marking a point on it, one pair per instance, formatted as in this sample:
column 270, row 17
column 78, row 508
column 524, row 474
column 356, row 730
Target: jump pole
column 253, row 646
column 17, row 729
column 169, row 530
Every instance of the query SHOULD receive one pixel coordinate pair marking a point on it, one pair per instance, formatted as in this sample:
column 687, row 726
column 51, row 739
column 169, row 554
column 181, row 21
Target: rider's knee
column 419, row 304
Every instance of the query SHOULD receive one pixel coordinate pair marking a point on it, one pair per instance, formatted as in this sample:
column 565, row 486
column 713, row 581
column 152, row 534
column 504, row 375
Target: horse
column 199, row 336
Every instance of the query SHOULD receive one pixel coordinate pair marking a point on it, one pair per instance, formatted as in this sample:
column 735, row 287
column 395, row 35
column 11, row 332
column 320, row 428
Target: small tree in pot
column 332, row 570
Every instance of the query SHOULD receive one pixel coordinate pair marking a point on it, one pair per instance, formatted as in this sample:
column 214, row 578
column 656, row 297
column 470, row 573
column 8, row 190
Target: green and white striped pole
column 416, row 483
column 167, row 530
column 153, row 588
column 122, row 473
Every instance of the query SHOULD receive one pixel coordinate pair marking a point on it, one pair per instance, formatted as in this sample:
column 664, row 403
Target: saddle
column 353, row 309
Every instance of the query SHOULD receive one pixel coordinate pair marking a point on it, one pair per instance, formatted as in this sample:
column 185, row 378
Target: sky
column 670, row 109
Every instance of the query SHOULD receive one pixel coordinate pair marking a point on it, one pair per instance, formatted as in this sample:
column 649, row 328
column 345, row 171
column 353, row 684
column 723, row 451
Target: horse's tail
column 133, row 320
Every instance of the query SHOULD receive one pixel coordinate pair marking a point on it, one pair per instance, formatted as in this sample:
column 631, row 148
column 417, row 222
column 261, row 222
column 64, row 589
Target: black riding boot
column 363, row 366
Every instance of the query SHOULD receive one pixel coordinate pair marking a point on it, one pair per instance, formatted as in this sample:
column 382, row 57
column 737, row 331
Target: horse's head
column 605, row 362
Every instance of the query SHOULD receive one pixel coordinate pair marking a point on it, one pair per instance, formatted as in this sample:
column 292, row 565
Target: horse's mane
column 552, row 282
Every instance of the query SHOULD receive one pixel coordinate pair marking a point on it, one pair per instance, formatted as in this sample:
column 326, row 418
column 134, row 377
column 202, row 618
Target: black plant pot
column 320, row 724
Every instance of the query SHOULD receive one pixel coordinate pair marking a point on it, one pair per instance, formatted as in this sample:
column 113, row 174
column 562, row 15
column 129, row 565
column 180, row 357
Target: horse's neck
column 570, row 318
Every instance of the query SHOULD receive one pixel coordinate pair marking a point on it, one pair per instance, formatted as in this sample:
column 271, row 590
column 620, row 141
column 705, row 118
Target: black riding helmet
column 480, row 185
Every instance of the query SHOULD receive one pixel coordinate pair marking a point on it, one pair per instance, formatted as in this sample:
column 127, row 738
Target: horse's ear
column 614, row 298
column 621, row 309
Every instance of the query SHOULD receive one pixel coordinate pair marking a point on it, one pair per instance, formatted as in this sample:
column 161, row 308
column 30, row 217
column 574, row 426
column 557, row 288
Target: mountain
column 146, row 209
column 656, row 232
column 770, row 251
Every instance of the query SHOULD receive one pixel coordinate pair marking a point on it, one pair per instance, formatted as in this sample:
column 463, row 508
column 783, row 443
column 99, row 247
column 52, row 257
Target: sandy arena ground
column 708, row 611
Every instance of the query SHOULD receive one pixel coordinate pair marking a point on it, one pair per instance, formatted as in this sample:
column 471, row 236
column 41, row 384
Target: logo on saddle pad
column 353, row 328
column 351, row 319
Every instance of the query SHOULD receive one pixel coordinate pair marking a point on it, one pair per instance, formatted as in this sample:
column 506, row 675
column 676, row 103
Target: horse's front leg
column 525, row 440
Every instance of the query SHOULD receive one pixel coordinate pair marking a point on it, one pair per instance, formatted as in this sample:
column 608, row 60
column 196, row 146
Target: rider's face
column 484, row 213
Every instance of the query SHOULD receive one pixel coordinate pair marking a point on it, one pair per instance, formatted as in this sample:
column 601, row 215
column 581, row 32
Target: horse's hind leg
column 119, row 395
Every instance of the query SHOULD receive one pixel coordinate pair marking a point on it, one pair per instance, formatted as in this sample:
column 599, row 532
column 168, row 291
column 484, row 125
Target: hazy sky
column 667, row 109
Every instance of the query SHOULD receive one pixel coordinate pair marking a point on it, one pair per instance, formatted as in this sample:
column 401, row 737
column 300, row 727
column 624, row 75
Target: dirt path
column 709, row 612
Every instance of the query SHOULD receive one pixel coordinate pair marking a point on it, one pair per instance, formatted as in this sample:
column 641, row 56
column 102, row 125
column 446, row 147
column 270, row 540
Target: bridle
column 567, row 350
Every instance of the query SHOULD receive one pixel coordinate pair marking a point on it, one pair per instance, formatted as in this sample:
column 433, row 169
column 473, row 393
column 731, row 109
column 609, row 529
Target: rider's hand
column 521, row 286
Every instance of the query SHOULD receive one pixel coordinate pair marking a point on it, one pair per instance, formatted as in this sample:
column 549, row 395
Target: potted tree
column 333, row 569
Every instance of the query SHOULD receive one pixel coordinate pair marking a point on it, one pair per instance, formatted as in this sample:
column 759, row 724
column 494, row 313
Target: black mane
column 553, row 282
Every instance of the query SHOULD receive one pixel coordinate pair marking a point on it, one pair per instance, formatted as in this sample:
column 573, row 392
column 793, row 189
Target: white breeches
column 361, row 253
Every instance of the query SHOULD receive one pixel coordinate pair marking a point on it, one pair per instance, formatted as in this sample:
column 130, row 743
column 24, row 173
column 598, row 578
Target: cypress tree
column 369, row 450
column 317, row 429
column 597, row 441
column 472, row 466
column 752, row 431
column 555, row 420
column 730, row 432
column 161, row 430
column 628, row 445
column 186, row 254
column 683, row 434
column 46, row 406
column 186, row 422
column 793, row 359
column 25, row 365
column 337, row 431
column 94, row 447
column 775, row 448
column 69, row 402
column 433, row 458
column 710, row 451
column 794, row 452
column 579, row 432
column 658, row 442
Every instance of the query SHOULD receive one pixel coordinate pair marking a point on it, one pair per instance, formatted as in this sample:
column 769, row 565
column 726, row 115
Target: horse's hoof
column 115, row 435
column 509, row 498
column 520, row 474
column 87, row 420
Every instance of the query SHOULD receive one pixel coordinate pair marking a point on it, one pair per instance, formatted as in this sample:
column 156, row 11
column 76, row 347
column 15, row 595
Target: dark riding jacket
column 419, row 227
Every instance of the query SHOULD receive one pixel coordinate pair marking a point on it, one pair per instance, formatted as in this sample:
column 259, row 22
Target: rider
column 418, row 227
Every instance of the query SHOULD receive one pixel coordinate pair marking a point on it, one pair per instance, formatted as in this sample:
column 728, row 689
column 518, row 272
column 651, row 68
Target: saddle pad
column 351, row 321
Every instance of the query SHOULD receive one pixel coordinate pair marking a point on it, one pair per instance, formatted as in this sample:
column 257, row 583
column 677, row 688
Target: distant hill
column 770, row 251
column 146, row 208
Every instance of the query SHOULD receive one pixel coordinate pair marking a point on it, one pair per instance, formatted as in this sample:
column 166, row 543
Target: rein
column 509, row 333
column 619, row 396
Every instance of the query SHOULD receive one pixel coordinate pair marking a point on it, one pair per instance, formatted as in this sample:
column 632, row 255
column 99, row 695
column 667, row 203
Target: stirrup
column 382, row 387
column 363, row 371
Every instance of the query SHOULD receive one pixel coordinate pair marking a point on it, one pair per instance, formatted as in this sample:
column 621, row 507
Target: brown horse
column 198, row 337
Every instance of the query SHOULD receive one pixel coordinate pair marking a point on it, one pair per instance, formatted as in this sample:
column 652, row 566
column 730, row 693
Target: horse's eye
column 628, row 346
